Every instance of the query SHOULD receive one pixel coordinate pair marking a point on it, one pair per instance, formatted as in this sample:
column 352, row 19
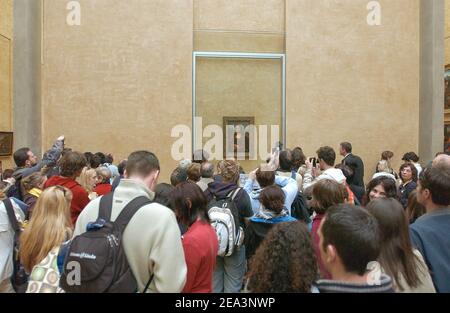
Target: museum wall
column 123, row 77
column 6, row 37
column 348, row 81
column 447, row 32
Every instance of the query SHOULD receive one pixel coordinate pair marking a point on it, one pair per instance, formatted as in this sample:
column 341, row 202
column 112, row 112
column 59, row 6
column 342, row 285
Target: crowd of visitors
column 216, row 229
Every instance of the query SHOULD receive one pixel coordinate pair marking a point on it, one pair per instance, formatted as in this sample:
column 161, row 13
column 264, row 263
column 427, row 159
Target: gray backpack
column 224, row 217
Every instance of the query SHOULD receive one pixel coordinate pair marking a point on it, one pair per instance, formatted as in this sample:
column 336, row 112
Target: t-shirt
column 430, row 234
column 200, row 250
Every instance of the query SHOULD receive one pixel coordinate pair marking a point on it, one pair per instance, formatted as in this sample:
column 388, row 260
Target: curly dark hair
column 285, row 261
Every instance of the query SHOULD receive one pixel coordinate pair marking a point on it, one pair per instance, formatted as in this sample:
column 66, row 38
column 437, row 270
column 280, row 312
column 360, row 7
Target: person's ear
column 188, row 204
column 125, row 174
column 156, row 175
column 330, row 254
column 426, row 194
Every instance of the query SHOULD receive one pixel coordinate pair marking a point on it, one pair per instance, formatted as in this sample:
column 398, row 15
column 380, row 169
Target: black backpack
column 299, row 207
column 19, row 280
column 15, row 191
column 99, row 256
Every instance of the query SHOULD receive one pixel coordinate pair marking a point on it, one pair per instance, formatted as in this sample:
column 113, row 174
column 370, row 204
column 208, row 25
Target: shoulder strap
column 105, row 207
column 11, row 215
column 294, row 175
column 148, row 283
column 234, row 193
column 128, row 212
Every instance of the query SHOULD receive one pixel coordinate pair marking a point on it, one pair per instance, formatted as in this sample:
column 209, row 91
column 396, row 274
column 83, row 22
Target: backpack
column 15, row 191
column 224, row 217
column 98, row 254
column 299, row 207
column 19, row 279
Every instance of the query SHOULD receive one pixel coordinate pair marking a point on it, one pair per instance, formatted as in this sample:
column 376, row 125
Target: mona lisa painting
column 237, row 143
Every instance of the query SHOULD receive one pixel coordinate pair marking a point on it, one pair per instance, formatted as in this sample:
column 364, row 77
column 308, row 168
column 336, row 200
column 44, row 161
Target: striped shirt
column 334, row 286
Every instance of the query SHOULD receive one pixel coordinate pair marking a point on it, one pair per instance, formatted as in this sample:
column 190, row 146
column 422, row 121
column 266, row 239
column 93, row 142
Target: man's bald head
column 441, row 159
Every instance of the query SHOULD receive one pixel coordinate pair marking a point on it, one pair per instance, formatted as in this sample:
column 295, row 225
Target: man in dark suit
column 354, row 162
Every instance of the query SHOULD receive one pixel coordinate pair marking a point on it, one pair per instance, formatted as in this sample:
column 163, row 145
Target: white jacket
column 152, row 239
column 7, row 240
column 331, row 173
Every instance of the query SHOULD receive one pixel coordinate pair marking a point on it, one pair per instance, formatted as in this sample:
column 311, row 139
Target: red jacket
column 80, row 196
column 200, row 250
column 103, row 189
column 315, row 241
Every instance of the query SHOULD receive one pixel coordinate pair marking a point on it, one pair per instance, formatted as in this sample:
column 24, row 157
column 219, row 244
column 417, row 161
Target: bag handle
column 12, row 215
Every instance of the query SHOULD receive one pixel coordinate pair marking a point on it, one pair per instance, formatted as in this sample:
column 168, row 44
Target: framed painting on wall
column 236, row 142
column 6, row 143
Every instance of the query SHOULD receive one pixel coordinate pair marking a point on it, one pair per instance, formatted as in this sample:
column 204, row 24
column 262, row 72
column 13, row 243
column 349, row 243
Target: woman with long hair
column 284, row 262
column 32, row 189
column 88, row 180
column 380, row 187
column 408, row 175
column 200, row 242
column 398, row 259
column 49, row 227
column 414, row 209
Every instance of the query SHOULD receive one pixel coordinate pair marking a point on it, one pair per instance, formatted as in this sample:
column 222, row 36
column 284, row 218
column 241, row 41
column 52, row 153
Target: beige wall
column 350, row 81
column 131, row 61
column 6, row 30
column 121, row 80
column 447, row 32
column 240, row 87
column 236, row 25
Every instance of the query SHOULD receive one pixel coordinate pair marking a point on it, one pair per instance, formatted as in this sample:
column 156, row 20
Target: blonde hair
column 83, row 179
column 384, row 166
column 49, row 227
column 229, row 170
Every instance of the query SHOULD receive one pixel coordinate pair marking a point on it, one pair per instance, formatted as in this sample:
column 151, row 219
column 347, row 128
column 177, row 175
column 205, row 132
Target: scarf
column 35, row 192
column 268, row 215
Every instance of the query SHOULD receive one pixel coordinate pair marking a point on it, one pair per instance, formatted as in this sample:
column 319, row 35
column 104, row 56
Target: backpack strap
column 294, row 175
column 148, row 283
column 11, row 215
column 105, row 208
column 128, row 212
column 234, row 193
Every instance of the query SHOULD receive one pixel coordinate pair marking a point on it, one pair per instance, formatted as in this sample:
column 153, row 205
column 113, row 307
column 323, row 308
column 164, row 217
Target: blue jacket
column 430, row 234
column 287, row 184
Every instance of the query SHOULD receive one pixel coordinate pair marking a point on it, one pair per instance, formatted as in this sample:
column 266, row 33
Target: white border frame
column 230, row 55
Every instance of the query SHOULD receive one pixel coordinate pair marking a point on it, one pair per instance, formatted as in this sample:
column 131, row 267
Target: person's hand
column 309, row 165
column 252, row 174
column 316, row 171
column 61, row 138
column 274, row 161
